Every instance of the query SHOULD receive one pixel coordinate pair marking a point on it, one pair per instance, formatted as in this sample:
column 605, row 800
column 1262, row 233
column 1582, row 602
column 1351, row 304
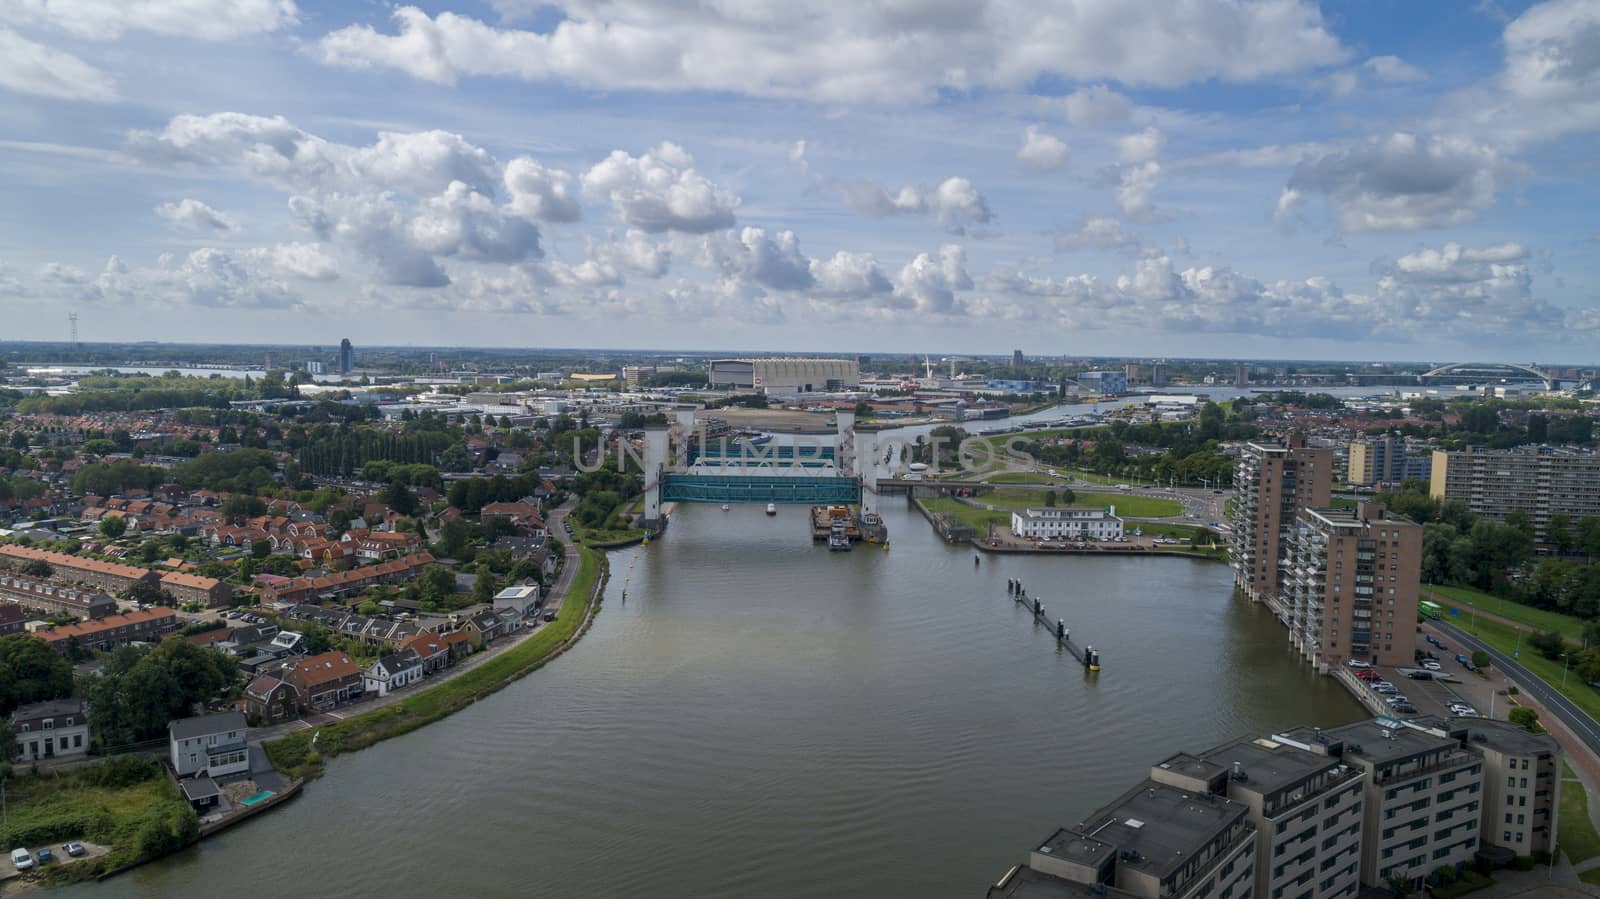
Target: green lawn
column 1576, row 833
column 1506, row 639
column 1468, row 598
column 974, row 517
column 1127, row 506
column 1023, row 477
column 295, row 754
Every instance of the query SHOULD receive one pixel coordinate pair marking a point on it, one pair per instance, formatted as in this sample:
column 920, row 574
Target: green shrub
column 123, row 771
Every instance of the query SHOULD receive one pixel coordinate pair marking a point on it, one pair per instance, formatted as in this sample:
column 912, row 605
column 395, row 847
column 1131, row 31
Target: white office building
column 1052, row 522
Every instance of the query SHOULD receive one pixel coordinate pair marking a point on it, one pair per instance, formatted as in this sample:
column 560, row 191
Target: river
column 759, row 717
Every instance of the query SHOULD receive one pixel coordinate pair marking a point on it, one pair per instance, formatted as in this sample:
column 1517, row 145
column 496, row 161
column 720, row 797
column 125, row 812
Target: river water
column 762, row 718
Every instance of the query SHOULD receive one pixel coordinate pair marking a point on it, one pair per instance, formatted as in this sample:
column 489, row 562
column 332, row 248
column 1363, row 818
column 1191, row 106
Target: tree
column 260, row 549
column 1049, row 498
column 1480, row 659
column 31, row 671
column 243, row 505
column 1548, row 643
column 37, row 568
column 484, row 587
column 369, row 608
column 143, row 592
column 1525, row 717
column 453, row 537
column 1559, row 531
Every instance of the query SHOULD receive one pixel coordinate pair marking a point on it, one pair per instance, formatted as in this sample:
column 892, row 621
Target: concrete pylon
column 655, row 468
column 844, row 445
column 682, row 424
column 867, row 467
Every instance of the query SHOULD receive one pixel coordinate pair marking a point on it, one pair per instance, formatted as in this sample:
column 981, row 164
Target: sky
column 1367, row 179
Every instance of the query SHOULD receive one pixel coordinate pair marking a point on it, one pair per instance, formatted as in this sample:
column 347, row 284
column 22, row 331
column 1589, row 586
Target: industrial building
column 1103, row 382
column 787, row 375
column 1274, row 483
column 1350, row 586
column 1541, row 483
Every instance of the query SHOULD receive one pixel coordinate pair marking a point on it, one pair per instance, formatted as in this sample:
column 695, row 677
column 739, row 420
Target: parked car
column 1431, row 665
column 1386, row 688
column 1420, row 675
column 1406, row 708
column 550, row 615
column 74, row 849
column 1431, row 639
column 1357, row 663
column 1396, row 699
column 21, row 859
column 45, row 857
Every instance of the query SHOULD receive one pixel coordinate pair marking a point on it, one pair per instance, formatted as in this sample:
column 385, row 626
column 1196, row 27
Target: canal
column 759, row 717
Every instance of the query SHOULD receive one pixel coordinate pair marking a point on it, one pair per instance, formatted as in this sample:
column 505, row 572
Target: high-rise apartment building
column 1155, row 841
column 1130, row 373
column 1424, row 795
column 1241, row 375
column 1158, row 374
column 347, row 357
column 1542, row 483
column 1306, row 807
column 1350, row 586
column 1273, row 483
column 1016, row 359
column 1380, row 460
column 1521, row 774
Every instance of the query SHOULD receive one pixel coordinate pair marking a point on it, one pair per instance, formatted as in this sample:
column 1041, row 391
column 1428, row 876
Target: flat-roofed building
column 1521, row 783
column 1541, row 483
column 1379, row 460
column 786, row 375
column 1306, row 807
column 1052, row 522
column 1351, row 581
column 1155, row 841
column 1423, row 796
column 1273, row 483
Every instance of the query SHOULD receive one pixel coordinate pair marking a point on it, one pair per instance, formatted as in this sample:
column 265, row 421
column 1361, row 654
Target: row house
column 144, row 625
column 207, row 591
column 110, row 576
column 301, row 590
column 270, row 699
column 524, row 515
column 375, row 631
column 324, row 681
column 55, row 598
column 393, row 671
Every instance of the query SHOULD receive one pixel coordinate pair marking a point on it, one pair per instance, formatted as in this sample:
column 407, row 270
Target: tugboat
column 726, row 507
column 772, row 508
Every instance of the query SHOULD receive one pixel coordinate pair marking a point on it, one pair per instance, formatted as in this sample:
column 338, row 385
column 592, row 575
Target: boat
column 838, row 540
column 726, row 507
column 772, row 508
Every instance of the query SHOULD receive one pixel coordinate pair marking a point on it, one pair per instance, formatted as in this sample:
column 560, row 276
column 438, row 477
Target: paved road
column 1582, row 726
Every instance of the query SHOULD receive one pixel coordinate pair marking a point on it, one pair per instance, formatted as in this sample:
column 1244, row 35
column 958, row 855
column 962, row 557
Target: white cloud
column 955, row 202
column 875, row 50
column 1553, row 50
column 207, row 277
column 302, row 260
column 1404, row 181
column 1394, row 69
column 1096, row 105
column 1144, row 146
column 1097, row 234
column 108, row 19
column 1287, row 214
column 1042, row 151
column 754, row 257
column 929, row 285
column 660, row 191
column 28, row 67
column 635, row 252
column 1455, row 263
column 403, row 202
column 194, row 215
column 849, row 276
column 1134, row 186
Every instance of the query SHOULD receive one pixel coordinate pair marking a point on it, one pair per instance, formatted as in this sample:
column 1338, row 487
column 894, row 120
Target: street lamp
column 1565, row 658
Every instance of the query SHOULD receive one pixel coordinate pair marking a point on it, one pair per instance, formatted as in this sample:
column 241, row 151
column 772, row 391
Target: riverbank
column 1013, row 546
column 301, row 754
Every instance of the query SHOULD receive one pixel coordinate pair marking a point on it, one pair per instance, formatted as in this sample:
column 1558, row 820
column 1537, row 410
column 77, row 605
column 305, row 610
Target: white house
column 521, row 598
column 214, row 744
column 1056, row 522
column 393, row 671
column 55, row 729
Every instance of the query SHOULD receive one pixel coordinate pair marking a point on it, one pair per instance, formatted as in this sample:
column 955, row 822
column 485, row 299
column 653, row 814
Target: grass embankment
column 974, row 517
column 1576, row 833
column 295, row 755
column 1509, row 639
column 1127, row 506
column 124, row 803
column 1542, row 619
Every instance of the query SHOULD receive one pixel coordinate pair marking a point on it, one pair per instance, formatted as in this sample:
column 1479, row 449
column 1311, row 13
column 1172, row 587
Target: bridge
column 683, row 467
column 1487, row 373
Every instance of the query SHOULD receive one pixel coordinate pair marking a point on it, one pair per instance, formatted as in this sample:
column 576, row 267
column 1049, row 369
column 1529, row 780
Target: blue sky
column 1269, row 178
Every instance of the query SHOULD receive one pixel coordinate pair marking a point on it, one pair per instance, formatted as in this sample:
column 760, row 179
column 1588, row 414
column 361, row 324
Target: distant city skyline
column 1266, row 178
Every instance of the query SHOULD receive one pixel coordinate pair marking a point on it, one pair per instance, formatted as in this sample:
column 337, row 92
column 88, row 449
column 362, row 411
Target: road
column 1582, row 726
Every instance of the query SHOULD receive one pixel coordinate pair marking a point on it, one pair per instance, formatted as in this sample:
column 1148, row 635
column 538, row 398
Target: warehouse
column 786, row 375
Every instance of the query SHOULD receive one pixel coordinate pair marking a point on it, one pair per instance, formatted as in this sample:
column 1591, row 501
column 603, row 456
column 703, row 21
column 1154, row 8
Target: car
column 21, row 859
column 1405, row 708
column 550, row 615
column 1420, row 675
column 1394, row 698
column 74, row 849
column 1431, row 665
column 1357, row 663
column 1386, row 689
column 45, row 857
column 1431, row 639
column 1468, row 712
column 1216, row 491
column 1369, row 675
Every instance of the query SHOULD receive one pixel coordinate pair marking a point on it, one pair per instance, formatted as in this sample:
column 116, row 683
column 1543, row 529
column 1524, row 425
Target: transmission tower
column 72, row 319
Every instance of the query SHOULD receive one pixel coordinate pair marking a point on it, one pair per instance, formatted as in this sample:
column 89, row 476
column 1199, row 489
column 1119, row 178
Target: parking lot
column 1431, row 692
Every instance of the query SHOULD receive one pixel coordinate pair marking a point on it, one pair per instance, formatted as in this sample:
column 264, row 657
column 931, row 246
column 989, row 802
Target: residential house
column 393, row 671
column 523, row 599
column 11, row 619
column 51, row 597
column 431, row 649
column 207, row 591
column 213, row 744
column 110, row 576
column 143, row 625
column 524, row 515
column 57, row 728
column 270, row 699
column 484, row 628
column 324, row 681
